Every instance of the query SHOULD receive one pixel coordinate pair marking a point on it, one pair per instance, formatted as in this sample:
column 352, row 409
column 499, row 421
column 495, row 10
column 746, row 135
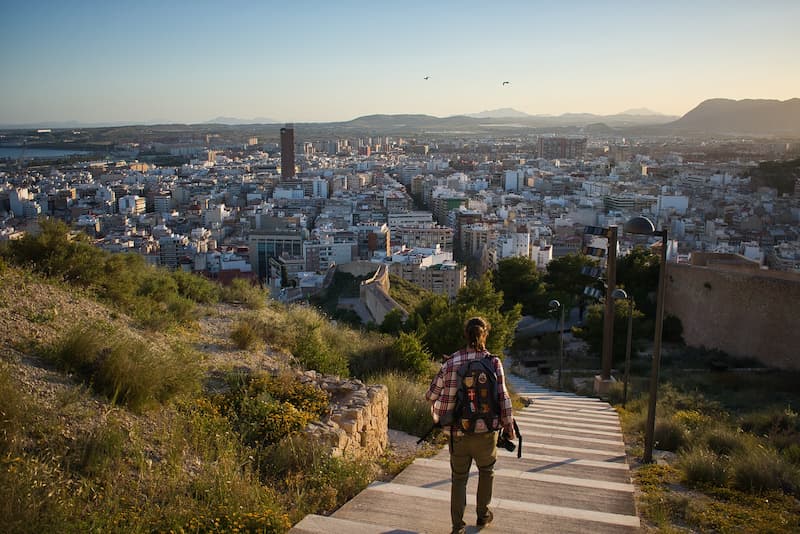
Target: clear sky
column 309, row 60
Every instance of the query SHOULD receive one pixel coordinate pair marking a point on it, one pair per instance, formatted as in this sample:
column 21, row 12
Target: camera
column 505, row 443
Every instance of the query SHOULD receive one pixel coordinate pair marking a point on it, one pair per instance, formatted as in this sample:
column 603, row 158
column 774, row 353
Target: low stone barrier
column 358, row 422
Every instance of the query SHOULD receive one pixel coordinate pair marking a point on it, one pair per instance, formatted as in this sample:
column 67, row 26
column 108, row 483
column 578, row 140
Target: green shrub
column 702, row 466
column 792, row 453
column 36, row 495
column 101, row 449
column 313, row 352
column 410, row 356
column 758, row 469
column 126, row 370
column 409, row 411
column 723, row 440
column 247, row 334
column 195, row 287
column 15, row 411
column 669, row 434
column 265, row 409
column 243, row 292
column 57, row 253
column 320, row 482
column 771, row 421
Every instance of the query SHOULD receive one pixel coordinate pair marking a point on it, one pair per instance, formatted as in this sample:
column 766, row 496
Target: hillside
column 157, row 439
column 749, row 117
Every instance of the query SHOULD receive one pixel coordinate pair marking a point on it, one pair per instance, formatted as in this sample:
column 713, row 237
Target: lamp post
column 644, row 226
column 608, row 317
column 621, row 294
column 554, row 307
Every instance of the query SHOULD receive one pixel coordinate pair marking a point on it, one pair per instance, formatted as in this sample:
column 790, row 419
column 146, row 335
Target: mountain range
column 723, row 117
column 711, row 117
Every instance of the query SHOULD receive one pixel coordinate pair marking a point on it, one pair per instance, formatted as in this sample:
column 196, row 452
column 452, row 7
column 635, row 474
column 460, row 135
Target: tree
column 637, row 272
column 564, row 280
column 520, row 283
column 442, row 324
column 592, row 330
column 392, row 322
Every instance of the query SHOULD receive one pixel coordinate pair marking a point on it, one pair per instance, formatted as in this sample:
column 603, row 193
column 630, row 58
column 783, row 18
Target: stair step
column 320, row 524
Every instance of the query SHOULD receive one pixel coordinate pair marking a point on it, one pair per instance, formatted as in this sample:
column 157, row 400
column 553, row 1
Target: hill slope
column 75, row 457
column 753, row 117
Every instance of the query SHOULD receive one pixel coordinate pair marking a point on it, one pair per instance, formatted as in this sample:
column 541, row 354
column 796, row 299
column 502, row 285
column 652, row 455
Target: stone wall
column 374, row 293
column 358, row 423
column 359, row 269
column 746, row 314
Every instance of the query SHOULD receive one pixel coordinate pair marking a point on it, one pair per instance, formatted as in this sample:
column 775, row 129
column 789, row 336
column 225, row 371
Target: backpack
column 476, row 397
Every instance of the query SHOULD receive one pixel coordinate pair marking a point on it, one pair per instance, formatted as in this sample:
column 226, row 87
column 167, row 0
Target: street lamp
column 621, row 294
column 644, row 226
column 554, row 307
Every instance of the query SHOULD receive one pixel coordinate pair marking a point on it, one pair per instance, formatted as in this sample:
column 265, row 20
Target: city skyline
column 191, row 62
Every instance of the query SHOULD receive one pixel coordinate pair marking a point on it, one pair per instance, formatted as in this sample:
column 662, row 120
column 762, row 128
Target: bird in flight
column 426, row 77
column 506, row 83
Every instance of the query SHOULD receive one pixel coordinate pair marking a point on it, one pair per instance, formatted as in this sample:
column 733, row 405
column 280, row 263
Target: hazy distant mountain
column 749, row 117
column 234, row 120
column 502, row 113
column 487, row 122
column 64, row 125
column 641, row 112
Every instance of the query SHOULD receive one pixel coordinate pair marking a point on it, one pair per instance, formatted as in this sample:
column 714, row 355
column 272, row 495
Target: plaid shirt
column 442, row 391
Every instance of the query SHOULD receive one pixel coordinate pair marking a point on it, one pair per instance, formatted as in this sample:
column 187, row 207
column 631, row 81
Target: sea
column 38, row 153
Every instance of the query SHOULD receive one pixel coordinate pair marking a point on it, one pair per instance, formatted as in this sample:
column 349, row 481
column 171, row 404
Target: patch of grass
column 407, row 294
column 317, row 482
column 244, row 293
column 408, row 409
column 15, row 412
column 657, row 504
column 669, row 434
column 101, row 449
column 702, row 467
column 247, row 334
column 726, row 510
column 723, row 440
column 124, row 369
column 759, row 469
column 195, row 476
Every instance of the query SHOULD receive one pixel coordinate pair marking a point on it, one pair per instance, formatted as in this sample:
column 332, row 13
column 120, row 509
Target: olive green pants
column 483, row 449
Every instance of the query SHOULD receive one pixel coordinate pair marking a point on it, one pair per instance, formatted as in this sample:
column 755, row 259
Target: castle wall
column 744, row 313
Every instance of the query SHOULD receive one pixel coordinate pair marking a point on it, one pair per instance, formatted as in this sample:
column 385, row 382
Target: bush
column 669, row 434
column 265, row 409
column 243, row 292
column 409, row 411
column 248, row 334
column 101, row 449
column 314, row 353
column 702, row 466
column 410, row 356
column 15, row 411
column 195, row 287
column 723, row 440
column 320, row 482
column 758, row 469
column 126, row 370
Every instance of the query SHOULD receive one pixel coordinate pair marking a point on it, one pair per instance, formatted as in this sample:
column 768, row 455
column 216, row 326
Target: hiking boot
column 461, row 530
column 485, row 520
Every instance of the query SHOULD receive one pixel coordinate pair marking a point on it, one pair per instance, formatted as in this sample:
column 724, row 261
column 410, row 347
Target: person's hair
column 476, row 330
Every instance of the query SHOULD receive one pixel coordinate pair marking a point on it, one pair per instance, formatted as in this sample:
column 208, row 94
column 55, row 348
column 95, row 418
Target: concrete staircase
column 572, row 477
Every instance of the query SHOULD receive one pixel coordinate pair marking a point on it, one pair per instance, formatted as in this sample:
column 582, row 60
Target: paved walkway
column 572, row 477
